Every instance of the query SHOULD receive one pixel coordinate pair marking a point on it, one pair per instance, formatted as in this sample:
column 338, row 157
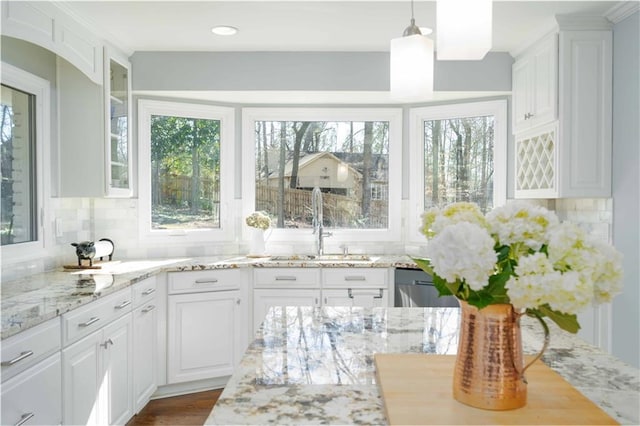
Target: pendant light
column 411, row 73
column 464, row 29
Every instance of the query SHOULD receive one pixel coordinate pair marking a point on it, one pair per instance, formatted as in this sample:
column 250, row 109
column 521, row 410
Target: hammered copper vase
column 489, row 368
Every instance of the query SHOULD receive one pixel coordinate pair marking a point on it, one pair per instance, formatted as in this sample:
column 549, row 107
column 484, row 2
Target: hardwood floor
column 190, row 409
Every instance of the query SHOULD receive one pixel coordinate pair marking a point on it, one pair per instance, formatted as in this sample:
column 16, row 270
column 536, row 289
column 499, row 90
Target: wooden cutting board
column 417, row 390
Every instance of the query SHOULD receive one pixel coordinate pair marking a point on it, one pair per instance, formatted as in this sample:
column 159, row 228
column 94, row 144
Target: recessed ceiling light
column 224, row 30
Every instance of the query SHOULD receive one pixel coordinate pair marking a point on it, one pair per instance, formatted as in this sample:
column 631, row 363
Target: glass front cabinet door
column 118, row 119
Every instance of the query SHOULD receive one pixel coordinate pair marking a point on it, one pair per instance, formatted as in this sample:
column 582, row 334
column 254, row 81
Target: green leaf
column 423, row 264
column 443, row 287
column 503, row 253
column 480, row 299
column 568, row 322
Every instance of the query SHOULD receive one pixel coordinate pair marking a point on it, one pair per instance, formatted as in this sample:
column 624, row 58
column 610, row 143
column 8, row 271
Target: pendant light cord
column 412, row 29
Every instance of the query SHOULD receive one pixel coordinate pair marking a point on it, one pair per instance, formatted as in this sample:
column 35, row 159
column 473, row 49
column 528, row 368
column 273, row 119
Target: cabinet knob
column 106, row 343
column 528, row 115
column 238, row 300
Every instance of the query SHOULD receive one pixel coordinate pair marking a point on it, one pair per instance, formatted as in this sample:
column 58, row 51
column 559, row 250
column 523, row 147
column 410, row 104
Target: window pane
column 347, row 160
column 19, row 219
column 185, row 173
column 458, row 161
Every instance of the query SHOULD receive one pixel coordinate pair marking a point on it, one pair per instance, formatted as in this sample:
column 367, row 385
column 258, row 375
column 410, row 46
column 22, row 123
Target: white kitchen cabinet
column 117, row 95
column 365, row 297
column 535, row 85
column 34, row 396
column 571, row 156
column 316, row 287
column 207, row 329
column 145, row 342
column 29, row 347
column 263, row 299
column 46, row 25
column 367, row 287
column 97, row 376
column 284, row 287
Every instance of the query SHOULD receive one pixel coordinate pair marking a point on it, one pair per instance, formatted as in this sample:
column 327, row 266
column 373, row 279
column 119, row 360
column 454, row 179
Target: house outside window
column 379, row 191
column 458, row 153
column 186, row 162
column 343, row 152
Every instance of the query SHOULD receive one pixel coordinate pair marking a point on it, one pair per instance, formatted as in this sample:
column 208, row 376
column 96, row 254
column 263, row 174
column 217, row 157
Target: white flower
column 607, row 275
column 463, row 251
column 435, row 220
column 258, row 220
column 521, row 223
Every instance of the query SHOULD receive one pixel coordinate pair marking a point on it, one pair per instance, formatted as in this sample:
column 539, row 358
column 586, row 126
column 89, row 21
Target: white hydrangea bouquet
column 258, row 220
column 519, row 254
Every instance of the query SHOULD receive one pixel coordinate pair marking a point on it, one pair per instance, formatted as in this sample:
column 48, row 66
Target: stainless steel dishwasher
column 414, row 288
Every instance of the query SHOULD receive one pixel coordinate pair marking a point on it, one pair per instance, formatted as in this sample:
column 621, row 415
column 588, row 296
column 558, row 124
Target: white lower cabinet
column 145, row 342
column 366, row 297
column 208, row 329
column 316, row 287
column 97, row 376
column 34, row 397
column 263, row 299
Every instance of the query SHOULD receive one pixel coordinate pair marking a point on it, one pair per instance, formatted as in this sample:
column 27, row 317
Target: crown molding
column 622, row 10
column 578, row 22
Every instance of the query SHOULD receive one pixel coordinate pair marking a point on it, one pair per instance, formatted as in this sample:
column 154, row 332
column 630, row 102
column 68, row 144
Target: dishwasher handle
column 422, row 282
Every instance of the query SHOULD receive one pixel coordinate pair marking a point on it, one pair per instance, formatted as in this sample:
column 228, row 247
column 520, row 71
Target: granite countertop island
column 315, row 365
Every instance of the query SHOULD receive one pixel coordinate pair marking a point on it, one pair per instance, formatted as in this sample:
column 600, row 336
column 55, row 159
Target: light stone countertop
column 315, row 365
column 34, row 299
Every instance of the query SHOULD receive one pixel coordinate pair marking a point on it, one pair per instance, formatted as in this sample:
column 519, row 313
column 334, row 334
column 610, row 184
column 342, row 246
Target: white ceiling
column 307, row 25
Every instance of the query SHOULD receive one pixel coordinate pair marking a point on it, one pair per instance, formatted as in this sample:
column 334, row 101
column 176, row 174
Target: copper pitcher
column 489, row 368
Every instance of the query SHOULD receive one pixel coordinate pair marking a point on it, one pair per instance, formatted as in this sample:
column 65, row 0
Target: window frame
column 41, row 89
column 417, row 117
column 226, row 116
column 339, row 235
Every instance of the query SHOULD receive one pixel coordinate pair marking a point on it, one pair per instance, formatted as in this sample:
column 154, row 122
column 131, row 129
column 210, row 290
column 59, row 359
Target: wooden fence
column 176, row 191
column 339, row 211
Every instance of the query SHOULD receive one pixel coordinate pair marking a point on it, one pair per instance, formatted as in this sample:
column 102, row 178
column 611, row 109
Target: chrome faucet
column 318, row 227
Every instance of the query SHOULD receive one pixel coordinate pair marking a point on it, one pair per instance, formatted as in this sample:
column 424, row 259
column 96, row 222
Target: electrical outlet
column 58, row 225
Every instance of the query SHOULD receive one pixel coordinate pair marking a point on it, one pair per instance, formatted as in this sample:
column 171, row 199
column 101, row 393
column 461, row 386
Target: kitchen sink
column 328, row 258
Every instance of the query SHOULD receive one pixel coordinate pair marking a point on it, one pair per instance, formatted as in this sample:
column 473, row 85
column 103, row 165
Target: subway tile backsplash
column 82, row 219
column 594, row 215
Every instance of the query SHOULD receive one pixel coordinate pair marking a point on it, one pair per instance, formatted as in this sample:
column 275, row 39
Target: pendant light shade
column 464, row 29
column 411, row 67
column 411, row 73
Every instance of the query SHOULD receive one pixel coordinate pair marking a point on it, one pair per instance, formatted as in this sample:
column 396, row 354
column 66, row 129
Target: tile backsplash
column 594, row 215
column 82, row 219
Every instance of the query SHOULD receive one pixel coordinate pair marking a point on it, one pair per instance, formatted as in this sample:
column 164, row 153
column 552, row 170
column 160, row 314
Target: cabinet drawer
column 27, row 348
column 354, row 277
column 144, row 291
column 199, row 281
column 35, row 395
column 82, row 321
column 286, row 277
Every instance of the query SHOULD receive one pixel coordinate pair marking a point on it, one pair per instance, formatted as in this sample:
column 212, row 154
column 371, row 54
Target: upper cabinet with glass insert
column 117, row 86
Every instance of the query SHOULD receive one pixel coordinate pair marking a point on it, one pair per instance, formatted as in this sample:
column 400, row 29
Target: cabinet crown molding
column 578, row 22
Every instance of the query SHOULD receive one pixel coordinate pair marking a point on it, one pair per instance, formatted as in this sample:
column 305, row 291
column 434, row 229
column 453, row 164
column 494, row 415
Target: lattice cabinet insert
column 536, row 162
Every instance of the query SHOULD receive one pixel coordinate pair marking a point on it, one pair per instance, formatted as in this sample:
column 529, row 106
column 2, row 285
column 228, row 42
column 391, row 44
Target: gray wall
column 626, row 184
column 357, row 71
